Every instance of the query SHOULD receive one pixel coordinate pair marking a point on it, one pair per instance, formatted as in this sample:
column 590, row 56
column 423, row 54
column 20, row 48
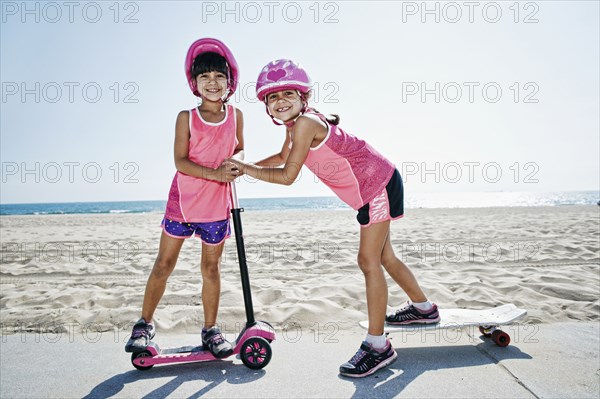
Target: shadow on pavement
column 412, row 362
column 212, row 372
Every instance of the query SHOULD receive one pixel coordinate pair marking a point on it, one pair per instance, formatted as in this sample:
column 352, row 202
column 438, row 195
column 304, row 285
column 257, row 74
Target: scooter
column 253, row 342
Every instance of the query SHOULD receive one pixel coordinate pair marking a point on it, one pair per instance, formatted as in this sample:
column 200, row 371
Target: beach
column 88, row 272
column 72, row 286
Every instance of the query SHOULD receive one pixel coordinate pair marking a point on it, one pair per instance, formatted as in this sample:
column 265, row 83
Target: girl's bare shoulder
column 183, row 115
column 309, row 121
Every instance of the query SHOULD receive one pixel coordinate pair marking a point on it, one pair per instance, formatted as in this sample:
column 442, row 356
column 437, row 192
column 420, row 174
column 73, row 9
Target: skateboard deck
column 488, row 321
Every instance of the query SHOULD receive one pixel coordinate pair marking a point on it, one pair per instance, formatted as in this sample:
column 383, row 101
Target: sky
column 460, row 96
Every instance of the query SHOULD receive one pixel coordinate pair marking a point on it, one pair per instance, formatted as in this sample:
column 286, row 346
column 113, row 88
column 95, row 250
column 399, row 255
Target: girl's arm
column 305, row 130
column 238, row 153
column 224, row 173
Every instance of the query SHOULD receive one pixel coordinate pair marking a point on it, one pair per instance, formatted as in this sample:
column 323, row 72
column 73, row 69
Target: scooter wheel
column 140, row 355
column 256, row 353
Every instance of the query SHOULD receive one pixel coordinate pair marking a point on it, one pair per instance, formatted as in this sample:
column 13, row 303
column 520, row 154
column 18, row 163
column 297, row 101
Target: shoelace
column 401, row 310
column 217, row 339
column 357, row 356
column 141, row 331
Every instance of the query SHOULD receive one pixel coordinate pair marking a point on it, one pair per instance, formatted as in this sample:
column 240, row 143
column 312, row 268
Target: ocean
column 414, row 200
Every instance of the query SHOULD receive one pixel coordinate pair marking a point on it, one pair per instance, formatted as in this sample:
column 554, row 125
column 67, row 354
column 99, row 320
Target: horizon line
column 298, row 197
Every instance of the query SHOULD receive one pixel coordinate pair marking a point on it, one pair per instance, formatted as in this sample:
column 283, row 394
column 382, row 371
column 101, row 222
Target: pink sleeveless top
column 193, row 199
column 349, row 166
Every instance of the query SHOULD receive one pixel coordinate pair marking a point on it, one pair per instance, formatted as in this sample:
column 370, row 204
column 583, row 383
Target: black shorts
column 387, row 205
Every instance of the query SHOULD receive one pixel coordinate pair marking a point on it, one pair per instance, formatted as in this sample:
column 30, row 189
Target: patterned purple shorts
column 211, row 233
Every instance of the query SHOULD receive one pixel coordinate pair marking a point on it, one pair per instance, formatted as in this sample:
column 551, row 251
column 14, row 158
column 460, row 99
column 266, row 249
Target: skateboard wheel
column 139, row 355
column 256, row 353
column 485, row 331
column 501, row 338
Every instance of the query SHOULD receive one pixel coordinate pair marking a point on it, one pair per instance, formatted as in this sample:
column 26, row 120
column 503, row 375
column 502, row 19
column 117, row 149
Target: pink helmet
column 279, row 75
column 207, row 45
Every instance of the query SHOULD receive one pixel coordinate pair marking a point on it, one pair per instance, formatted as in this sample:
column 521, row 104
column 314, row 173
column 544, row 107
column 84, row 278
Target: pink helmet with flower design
column 280, row 75
column 208, row 45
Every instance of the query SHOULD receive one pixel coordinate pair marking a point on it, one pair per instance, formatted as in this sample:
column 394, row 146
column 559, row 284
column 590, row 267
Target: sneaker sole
column 135, row 349
column 403, row 323
column 381, row 365
column 130, row 348
column 223, row 355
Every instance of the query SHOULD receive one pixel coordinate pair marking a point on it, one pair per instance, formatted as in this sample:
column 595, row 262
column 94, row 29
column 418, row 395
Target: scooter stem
column 241, row 252
column 234, row 198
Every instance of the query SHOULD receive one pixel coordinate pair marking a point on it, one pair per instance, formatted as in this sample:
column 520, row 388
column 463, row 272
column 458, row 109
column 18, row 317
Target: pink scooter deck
column 253, row 345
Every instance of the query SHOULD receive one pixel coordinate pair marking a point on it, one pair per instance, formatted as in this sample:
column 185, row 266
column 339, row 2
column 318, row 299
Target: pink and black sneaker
column 215, row 342
column 411, row 315
column 368, row 360
column 141, row 336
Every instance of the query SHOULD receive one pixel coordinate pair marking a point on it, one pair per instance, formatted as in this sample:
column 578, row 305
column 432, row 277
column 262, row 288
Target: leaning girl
column 363, row 179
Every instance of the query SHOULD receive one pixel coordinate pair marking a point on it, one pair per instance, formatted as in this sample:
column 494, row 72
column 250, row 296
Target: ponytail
column 332, row 119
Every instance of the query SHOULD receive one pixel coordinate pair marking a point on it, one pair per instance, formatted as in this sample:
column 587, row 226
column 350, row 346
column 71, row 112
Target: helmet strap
column 272, row 117
column 225, row 97
column 229, row 84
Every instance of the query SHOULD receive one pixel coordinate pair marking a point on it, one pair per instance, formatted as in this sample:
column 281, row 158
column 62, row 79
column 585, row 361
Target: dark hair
column 333, row 119
column 209, row 62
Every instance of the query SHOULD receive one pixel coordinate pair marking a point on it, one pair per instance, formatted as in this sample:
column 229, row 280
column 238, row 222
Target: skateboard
column 488, row 321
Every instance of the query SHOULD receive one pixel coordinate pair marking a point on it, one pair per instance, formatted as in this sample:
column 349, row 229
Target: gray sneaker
column 140, row 336
column 213, row 340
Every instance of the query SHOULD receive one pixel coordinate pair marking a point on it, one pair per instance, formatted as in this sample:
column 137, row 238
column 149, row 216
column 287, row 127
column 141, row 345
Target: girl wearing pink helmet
column 198, row 204
column 358, row 175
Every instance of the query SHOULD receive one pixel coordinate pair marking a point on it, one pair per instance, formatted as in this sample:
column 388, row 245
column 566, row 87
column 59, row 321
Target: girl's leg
column 400, row 273
column 372, row 240
column 210, row 266
column 168, row 252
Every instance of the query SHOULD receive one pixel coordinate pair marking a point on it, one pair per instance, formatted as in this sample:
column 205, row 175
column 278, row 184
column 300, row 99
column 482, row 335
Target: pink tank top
column 349, row 166
column 193, row 199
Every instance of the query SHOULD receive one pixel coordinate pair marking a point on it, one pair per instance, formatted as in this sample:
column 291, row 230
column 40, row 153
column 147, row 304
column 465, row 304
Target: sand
column 75, row 272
